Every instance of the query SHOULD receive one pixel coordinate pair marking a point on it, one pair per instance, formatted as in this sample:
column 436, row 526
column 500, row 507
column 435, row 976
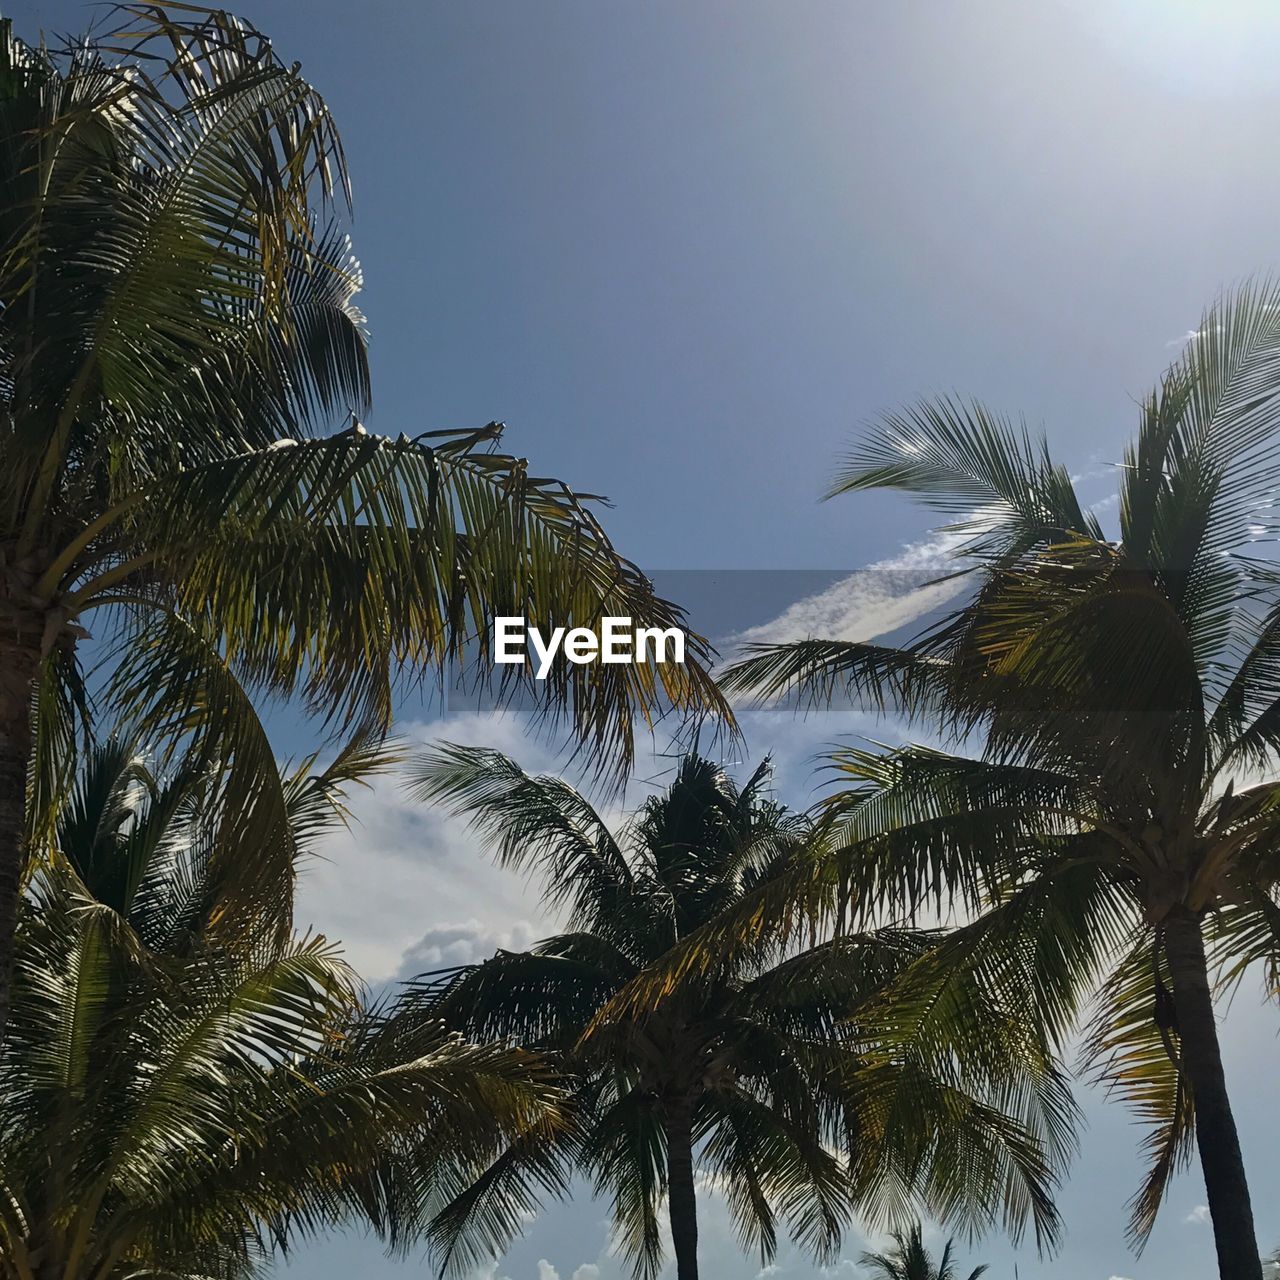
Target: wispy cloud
column 870, row 602
column 1194, row 335
column 1198, row 1215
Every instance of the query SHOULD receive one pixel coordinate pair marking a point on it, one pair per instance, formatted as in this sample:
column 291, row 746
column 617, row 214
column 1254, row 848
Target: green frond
column 317, row 801
column 1221, row 412
column 62, row 718
column 1034, row 955
column 1244, row 935
column 962, row 459
column 916, row 827
column 815, row 672
column 804, row 1098
column 175, row 687
column 967, row 1163
column 909, row 1259
column 538, row 998
column 1132, row 1050
column 773, row 1168
column 625, row 1151
column 491, row 1205
column 532, row 823
column 375, row 554
column 1244, row 727
column 189, row 1112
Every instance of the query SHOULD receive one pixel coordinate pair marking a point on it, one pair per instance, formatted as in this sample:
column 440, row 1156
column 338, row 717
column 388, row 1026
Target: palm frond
column 532, row 823
column 1132, row 1051
column 965, row 460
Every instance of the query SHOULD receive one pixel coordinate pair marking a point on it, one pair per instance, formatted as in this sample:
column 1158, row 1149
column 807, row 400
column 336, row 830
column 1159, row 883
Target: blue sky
column 685, row 248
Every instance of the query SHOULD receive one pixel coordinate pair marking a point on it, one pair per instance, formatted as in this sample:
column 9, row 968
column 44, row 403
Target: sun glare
column 1196, row 46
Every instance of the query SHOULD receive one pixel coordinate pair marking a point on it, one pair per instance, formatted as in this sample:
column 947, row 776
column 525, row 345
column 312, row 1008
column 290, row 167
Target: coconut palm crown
column 180, row 1097
column 909, row 1260
column 179, row 344
column 753, row 1072
column 1108, row 821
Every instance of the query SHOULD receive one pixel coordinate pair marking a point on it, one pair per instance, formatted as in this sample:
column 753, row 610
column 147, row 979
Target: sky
column 686, row 250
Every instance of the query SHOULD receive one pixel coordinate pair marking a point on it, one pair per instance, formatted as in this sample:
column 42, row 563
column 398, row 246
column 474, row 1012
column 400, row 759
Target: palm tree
column 909, row 1260
column 1116, row 835
column 755, row 1070
column 175, row 1107
column 177, row 339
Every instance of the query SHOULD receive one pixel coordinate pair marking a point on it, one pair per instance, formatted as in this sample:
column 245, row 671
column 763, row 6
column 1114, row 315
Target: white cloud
column 588, row 1271
column 1120, row 1278
column 488, row 1273
column 407, row 889
column 871, row 602
column 407, row 878
column 1199, row 1214
column 546, row 1271
column 1194, row 335
column 446, row 945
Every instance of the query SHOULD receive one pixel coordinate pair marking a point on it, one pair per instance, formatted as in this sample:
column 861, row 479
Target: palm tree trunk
column 1216, row 1137
column 682, row 1205
column 19, row 663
